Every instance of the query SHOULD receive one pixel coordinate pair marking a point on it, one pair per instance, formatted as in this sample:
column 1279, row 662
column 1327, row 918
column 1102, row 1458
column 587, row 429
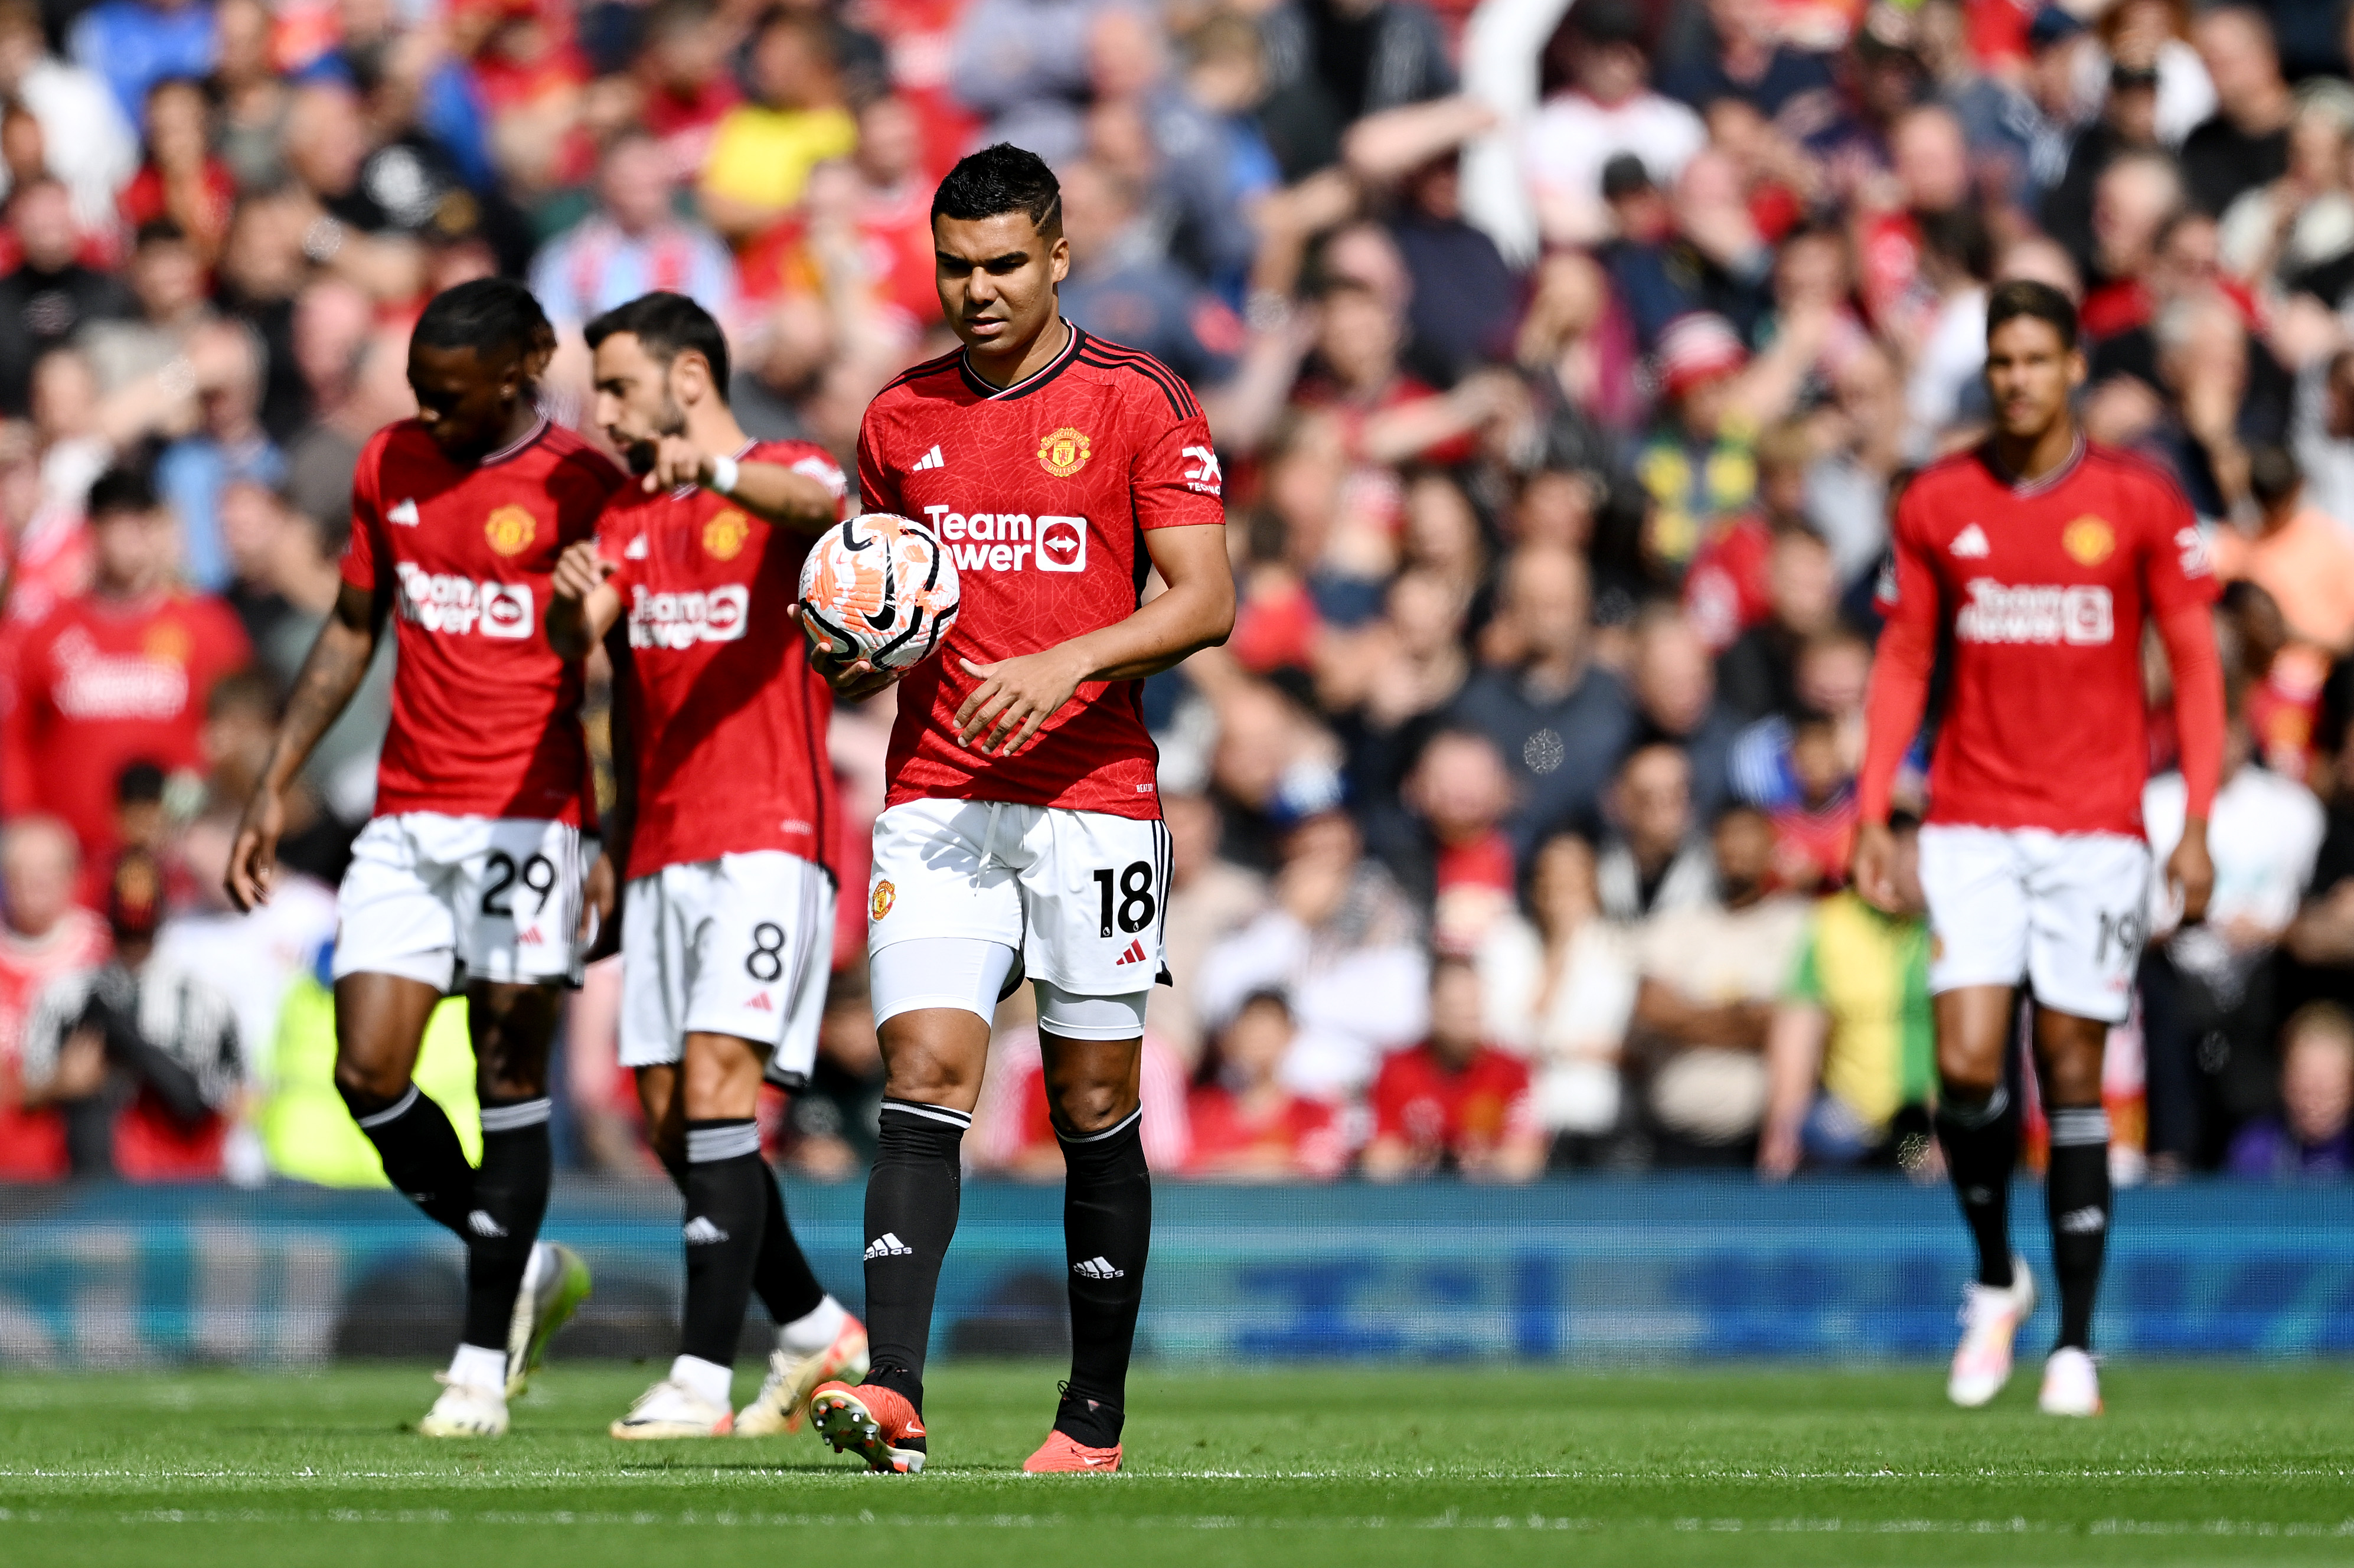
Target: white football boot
column 670, row 1409
column 555, row 1283
column 2072, row 1384
column 783, row 1399
column 464, row 1410
column 1991, row 1319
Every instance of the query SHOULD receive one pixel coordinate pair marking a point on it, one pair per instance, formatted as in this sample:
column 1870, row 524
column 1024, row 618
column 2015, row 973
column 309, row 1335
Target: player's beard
column 671, row 421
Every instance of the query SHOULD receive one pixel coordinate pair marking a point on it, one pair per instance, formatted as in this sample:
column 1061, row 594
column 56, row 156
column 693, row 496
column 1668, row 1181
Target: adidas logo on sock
column 2082, row 1222
column 482, row 1225
column 929, row 460
column 1098, row 1268
column 888, row 1246
column 1135, row 954
column 701, row 1232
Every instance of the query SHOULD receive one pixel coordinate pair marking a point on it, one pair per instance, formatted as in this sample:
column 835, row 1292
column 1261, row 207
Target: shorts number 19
column 1136, row 908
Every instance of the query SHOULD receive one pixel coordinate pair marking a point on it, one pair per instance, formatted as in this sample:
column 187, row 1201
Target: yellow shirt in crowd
column 763, row 156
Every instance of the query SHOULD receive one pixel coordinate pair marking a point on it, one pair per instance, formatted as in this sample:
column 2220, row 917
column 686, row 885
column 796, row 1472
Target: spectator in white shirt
column 1610, row 110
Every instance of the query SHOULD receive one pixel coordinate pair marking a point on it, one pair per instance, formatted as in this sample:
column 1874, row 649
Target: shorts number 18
column 1136, row 908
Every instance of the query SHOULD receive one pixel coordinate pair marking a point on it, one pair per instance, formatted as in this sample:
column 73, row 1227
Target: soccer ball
column 879, row 587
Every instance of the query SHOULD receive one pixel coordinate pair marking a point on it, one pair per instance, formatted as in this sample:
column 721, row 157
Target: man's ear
column 1060, row 259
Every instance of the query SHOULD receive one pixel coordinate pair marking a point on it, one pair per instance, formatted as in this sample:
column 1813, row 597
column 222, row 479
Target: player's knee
column 368, row 1086
column 1965, row 1069
column 1089, row 1107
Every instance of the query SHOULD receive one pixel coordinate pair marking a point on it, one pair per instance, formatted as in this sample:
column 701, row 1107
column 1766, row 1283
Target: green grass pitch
column 2207, row 1465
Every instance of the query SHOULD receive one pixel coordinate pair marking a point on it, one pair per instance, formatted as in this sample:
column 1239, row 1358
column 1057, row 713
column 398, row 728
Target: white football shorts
column 1081, row 896
column 448, row 900
column 740, row 945
column 2067, row 913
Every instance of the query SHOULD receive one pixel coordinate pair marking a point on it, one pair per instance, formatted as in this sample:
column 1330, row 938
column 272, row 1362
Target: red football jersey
column 103, row 683
column 33, row 1142
column 2038, row 593
column 1433, row 1107
column 730, row 719
column 1040, row 493
column 485, row 717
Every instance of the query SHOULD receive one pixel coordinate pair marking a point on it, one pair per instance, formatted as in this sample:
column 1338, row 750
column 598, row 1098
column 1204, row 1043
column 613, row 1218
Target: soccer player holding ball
column 727, row 805
column 1022, row 834
column 2034, row 561
column 469, row 878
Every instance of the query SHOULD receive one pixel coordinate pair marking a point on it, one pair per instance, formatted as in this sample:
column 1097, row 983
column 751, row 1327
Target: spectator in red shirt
column 181, row 179
column 1246, row 1126
column 1454, row 1102
column 46, row 935
column 117, row 675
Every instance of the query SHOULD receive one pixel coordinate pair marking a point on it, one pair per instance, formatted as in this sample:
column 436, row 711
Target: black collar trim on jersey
column 2025, row 488
column 1032, row 382
column 538, row 429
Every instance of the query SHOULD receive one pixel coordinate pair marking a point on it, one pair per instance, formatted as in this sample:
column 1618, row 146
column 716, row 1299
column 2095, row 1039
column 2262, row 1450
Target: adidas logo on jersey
column 440, row 602
column 679, row 620
column 1011, row 541
column 929, row 460
column 700, row 1232
column 635, row 550
column 1098, row 1268
column 1970, row 544
column 405, row 515
column 888, row 1245
column 482, row 1225
column 1135, row 954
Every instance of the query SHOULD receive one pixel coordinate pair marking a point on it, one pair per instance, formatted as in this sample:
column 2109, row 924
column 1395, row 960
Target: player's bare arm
column 600, row 892
column 336, row 665
column 582, row 605
column 1016, row 697
column 769, row 491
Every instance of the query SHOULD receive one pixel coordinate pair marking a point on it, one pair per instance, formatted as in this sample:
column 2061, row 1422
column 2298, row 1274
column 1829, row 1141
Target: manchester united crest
column 2089, row 540
column 724, row 535
column 880, row 905
column 511, row 530
column 1064, row 453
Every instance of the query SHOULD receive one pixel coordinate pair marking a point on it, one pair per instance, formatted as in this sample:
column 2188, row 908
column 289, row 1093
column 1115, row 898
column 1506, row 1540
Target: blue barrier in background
column 1602, row 1269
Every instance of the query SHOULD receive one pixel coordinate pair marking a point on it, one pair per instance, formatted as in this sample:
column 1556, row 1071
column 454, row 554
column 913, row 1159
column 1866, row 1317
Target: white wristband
column 724, row 473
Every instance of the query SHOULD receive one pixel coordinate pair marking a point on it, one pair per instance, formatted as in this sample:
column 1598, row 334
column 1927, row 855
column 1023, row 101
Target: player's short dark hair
column 998, row 179
column 2026, row 297
column 486, row 314
column 120, row 492
column 666, row 325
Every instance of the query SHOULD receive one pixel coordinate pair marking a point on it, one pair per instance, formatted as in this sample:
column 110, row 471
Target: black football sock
column 2076, row 1189
column 1981, row 1142
column 422, row 1154
column 788, row 1286
column 510, row 1198
column 911, row 1212
column 1107, row 1232
column 725, row 1215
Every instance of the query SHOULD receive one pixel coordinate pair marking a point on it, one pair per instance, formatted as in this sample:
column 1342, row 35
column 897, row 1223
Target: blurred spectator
column 1609, row 110
column 1558, row 988
column 1247, row 1126
column 685, row 89
column 253, row 97
column 140, row 1055
column 2245, row 142
column 1330, row 62
column 1656, row 860
column 1343, row 943
column 1675, row 697
column 1013, row 1132
column 763, row 151
column 1454, row 1102
column 2128, row 123
column 1209, row 897
column 2310, row 1134
column 117, row 677
column 1747, row 59
column 1558, row 720
column 1850, row 1055
column 1710, row 975
column 251, row 959
column 1460, row 865
column 634, row 243
column 1124, row 287
column 181, row 179
column 51, row 295
column 2208, row 1004
column 135, row 44
column 45, row 935
column 229, row 445
column 87, row 141
column 2299, row 554
column 1727, row 588
column 139, row 359
column 830, row 1126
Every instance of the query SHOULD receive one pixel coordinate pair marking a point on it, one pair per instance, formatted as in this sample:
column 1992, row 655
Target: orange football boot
column 1061, row 1454
column 876, row 1423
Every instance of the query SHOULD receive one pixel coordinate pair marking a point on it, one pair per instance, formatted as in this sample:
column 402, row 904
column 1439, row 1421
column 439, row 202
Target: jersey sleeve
column 1175, row 478
column 2177, row 570
column 364, row 553
column 617, row 524
column 1899, row 693
column 876, row 490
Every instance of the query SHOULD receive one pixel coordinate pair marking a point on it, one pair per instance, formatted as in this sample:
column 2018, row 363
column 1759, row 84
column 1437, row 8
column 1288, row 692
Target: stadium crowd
column 1563, row 364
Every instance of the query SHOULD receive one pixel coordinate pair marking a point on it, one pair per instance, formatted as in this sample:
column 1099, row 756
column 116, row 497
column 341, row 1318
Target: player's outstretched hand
column 1874, row 867
column 1015, row 697
column 2190, row 872
column 601, row 903
column 677, row 462
column 253, row 857
column 581, row 571
column 853, row 679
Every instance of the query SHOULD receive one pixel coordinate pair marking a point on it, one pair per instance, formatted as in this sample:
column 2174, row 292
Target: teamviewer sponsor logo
column 1996, row 612
column 1010, row 541
column 439, row 601
column 677, row 620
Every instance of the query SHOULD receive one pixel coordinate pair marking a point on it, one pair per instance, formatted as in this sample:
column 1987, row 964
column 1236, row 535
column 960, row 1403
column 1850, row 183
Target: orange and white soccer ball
column 879, row 587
